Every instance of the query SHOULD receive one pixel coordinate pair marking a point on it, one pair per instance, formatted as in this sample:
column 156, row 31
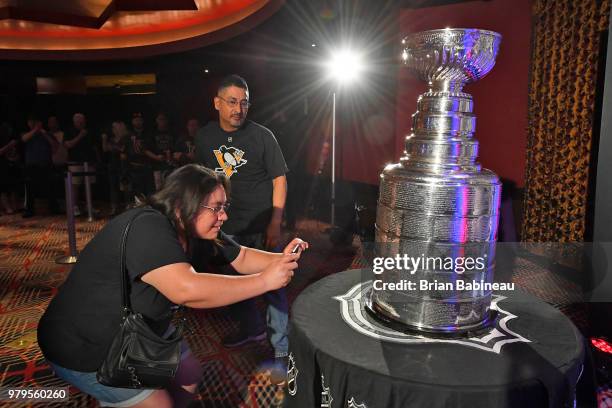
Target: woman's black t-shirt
column 81, row 321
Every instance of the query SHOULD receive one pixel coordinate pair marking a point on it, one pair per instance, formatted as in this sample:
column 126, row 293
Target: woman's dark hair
column 185, row 189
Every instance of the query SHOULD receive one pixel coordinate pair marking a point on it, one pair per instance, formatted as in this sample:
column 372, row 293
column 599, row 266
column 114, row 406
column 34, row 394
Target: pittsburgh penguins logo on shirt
column 229, row 159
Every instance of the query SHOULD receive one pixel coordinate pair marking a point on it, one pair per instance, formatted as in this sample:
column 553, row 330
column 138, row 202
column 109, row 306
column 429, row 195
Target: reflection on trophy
column 438, row 202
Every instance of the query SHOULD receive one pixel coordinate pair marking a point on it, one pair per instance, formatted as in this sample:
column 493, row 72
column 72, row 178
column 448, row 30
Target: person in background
column 160, row 149
column 10, row 171
column 138, row 125
column 38, row 166
column 80, row 145
column 116, row 148
column 184, row 148
column 250, row 156
column 139, row 169
column 59, row 155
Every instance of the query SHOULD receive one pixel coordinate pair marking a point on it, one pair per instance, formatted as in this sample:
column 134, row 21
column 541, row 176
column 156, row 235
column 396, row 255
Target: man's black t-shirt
column 161, row 143
column 81, row 321
column 250, row 157
column 186, row 146
column 37, row 150
column 118, row 147
column 135, row 149
column 83, row 151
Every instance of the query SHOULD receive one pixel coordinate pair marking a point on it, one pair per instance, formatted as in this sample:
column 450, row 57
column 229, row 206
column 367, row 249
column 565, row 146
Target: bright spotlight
column 345, row 66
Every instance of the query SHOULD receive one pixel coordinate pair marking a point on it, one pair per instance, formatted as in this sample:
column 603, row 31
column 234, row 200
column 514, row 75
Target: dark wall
column 182, row 92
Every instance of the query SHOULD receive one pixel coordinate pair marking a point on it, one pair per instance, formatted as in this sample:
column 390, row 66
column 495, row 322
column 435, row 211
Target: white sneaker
column 77, row 211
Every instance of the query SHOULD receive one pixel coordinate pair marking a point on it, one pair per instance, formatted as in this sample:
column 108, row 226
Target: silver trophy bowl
column 438, row 201
column 454, row 56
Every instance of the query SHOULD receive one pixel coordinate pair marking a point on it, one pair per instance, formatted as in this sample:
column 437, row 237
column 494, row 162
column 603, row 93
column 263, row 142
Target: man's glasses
column 233, row 103
column 217, row 209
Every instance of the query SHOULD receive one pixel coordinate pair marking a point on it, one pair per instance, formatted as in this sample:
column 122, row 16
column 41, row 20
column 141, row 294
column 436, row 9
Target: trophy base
column 475, row 330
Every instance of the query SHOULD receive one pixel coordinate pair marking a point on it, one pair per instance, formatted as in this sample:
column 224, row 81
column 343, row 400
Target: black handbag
column 138, row 357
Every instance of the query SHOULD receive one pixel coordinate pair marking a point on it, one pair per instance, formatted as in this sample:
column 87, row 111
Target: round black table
column 342, row 357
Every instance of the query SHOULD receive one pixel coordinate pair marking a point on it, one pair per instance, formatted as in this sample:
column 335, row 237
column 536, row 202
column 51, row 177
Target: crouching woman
column 81, row 321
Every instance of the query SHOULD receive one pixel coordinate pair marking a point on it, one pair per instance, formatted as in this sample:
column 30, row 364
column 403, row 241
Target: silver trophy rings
column 438, row 202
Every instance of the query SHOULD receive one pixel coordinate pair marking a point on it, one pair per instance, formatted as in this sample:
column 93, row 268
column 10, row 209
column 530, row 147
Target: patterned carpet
column 232, row 378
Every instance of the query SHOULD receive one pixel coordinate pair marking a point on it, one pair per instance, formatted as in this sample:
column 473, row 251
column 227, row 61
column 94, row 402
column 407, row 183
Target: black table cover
column 533, row 357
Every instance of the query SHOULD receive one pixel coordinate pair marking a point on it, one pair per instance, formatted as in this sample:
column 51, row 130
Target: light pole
column 333, row 169
column 343, row 67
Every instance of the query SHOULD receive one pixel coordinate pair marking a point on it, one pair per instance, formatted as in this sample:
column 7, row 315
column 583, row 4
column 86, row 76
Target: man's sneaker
column 240, row 338
column 77, row 211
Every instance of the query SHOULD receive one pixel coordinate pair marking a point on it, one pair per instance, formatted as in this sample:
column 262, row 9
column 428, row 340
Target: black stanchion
column 72, row 255
column 88, row 192
column 86, row 174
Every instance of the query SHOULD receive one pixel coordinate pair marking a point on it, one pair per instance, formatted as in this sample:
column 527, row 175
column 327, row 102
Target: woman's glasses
column 218, row 209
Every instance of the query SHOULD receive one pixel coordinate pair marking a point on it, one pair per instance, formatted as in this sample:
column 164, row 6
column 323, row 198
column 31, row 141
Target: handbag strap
column 125, row 297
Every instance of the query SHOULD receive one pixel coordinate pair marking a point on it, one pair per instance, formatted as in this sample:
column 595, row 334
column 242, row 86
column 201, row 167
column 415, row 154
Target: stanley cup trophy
column 437, row 203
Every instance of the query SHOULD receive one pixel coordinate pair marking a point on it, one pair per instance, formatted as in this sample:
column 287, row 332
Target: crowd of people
column 133, row 159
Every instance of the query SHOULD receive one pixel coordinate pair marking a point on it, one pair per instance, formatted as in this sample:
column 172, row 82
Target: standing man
column 115, row 146
column 160, row 149
column 38, row 166
column 184, row 148
column 59, row 156
column 80, row 145
column 10, row 171
column 138, row 166
column 250, row 156
column 138, row 128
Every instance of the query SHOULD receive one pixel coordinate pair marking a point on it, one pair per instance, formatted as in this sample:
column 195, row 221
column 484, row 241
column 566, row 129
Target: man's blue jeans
column 277, row 311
